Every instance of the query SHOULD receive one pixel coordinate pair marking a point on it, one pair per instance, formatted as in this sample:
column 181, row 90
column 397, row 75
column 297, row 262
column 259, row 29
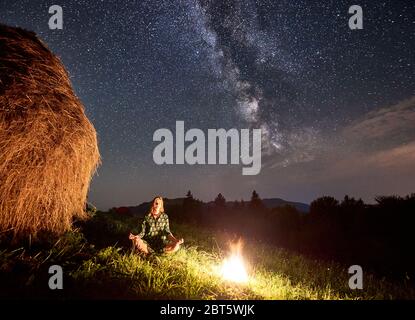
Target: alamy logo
column 356, row 280
column 195, row 152
column 56, row 280
column 356, row 20
column 56, row 20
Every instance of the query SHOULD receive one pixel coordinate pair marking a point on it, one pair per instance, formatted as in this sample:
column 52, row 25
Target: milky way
column 292, row 68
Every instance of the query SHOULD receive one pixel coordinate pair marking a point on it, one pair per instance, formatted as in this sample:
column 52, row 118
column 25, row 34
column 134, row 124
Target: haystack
column 48, row 147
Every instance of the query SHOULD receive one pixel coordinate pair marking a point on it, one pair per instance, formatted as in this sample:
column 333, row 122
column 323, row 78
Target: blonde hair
column 161, row 207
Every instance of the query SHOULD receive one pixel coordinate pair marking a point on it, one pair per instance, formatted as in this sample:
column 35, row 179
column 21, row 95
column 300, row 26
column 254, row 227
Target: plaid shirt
column 155, row 230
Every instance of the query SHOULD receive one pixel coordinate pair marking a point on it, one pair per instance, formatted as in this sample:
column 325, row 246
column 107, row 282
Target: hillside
column 98, row 263
column 270, row 203
column 277, row 202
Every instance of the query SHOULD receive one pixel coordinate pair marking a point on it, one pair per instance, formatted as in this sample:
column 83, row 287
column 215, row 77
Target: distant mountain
column 270, row 203
column 144, row 207
column 277, row 202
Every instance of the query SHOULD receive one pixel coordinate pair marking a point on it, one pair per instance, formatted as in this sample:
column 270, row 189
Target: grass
column 98, row 264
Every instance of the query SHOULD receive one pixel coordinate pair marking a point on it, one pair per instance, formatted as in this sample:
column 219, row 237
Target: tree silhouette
column 256, row 202
column 324, row 206
column 220, row 201
column 189, row 195
column 189, row 207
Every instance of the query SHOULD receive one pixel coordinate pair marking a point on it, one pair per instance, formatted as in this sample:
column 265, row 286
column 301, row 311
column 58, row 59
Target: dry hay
column 48, row 147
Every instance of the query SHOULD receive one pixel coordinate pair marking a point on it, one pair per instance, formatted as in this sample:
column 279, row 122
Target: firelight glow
column 233, row 267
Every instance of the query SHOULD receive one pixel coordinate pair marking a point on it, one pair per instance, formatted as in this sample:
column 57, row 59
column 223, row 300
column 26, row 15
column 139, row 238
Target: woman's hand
column 175, row 240
column 132, row 236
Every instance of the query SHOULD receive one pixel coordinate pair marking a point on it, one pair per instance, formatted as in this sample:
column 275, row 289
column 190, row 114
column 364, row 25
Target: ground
column 97, row 263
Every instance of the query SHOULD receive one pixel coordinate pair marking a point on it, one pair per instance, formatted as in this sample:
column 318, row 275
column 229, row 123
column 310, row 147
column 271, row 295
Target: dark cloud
column 384, row 128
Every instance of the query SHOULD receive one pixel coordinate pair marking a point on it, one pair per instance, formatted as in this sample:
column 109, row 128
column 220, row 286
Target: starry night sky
column 336, row 106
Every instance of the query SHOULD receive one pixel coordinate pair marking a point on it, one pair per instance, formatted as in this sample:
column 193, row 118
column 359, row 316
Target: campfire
column 233, row 267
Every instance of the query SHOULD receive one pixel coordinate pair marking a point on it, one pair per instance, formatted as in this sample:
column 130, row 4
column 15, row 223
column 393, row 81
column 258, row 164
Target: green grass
column 111, row 270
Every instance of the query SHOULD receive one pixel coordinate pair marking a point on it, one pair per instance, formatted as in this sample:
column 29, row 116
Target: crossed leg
column 142, row 247
column 139, row 244
column 173, row 245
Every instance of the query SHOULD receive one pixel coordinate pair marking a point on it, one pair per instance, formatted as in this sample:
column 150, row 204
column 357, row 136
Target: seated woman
column 155, row 235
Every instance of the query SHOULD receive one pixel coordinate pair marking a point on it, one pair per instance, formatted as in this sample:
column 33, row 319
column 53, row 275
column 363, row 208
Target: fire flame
column 233, row 267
